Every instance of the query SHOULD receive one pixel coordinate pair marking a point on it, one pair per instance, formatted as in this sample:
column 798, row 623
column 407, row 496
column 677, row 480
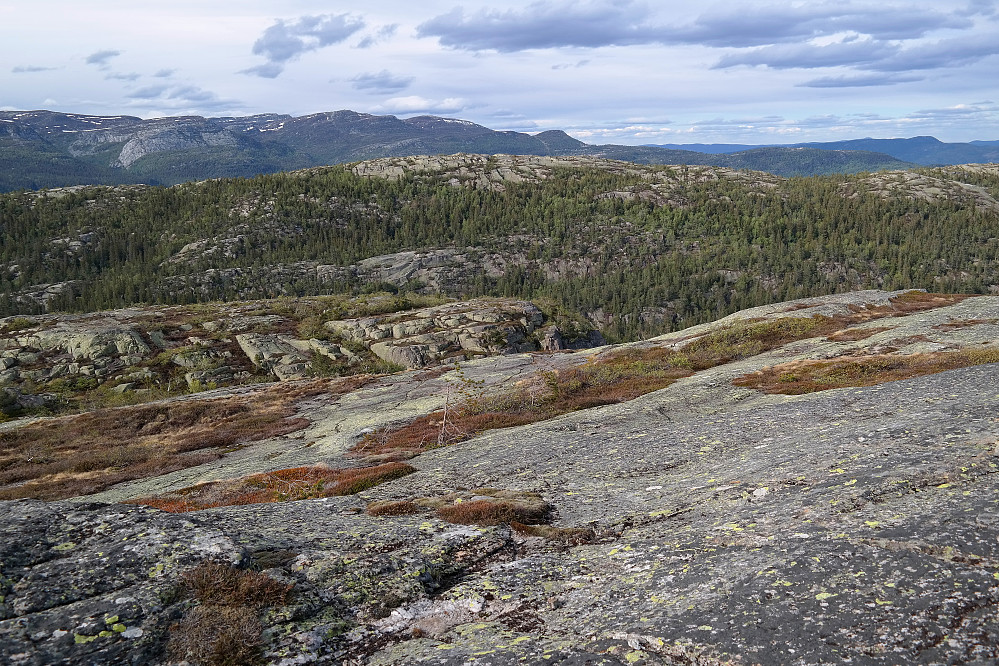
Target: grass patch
column 955, row 324
column 488, row 512
column 810, row 376
column 224, row 630
column 296, row 483
column 87, row 453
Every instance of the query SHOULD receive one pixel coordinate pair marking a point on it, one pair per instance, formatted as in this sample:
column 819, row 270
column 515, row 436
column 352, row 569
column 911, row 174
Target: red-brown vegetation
column 810, row 376
column 284, row 485
column 87, row 453
column 488, row 512
column 224, row 629
column 625, row 375
column 392, row 508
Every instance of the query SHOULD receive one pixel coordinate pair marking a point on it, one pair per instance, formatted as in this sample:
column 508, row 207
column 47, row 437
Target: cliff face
column 750, row 512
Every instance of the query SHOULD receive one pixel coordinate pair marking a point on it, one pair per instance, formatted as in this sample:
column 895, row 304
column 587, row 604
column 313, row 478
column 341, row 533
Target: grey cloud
column 543, row 25
column 569, row 65
column 863, row 81
column 746, row 27
column 382, row 34
column 149, row 92
column 164, row 73
column 31, row 69
column 286, row 40
column 178, row 97
column 944, row 53
column 979, row 8
column 626, row 22
column 120, row 76
column 805, row 56
column 726, row 122
column 102, row 58
column 191, row 94
column 270, row 70
column 961, row 112
column 382, row 82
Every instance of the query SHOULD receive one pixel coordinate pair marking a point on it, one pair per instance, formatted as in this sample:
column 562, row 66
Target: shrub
column 392, row 508
column 217, row 584
column 224, row 630
column 108, row 446
column 488, row 512
column 296, row 483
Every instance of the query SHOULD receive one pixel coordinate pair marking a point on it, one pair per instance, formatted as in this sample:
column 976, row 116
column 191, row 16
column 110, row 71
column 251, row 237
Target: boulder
column 408, row 356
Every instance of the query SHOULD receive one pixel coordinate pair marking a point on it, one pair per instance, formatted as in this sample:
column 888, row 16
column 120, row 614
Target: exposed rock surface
column 419, row 338
column 857, row 525
column 173, row 348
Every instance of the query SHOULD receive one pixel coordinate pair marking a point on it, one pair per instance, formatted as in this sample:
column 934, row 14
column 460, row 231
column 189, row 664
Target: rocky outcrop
column 704, row 523
column 419, row 338
column 289, row 358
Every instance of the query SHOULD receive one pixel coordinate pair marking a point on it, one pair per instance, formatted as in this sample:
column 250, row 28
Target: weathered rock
column 858, row 525
column 95, row 584
column 193, row 358
column 89, row 345
column 216, row 376
column 429, row 335
column 552, row 339
column 407, row 356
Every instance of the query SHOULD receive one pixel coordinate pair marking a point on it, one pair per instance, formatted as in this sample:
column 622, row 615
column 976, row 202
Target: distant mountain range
column 922, row 150
column 40, row 149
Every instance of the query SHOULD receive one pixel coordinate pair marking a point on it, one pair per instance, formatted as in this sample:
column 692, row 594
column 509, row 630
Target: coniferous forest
column 639, row 250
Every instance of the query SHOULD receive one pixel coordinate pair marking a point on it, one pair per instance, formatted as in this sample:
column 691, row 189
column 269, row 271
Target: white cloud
column 417, row 104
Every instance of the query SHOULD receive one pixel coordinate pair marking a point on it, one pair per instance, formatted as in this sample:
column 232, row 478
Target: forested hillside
column 639, row 250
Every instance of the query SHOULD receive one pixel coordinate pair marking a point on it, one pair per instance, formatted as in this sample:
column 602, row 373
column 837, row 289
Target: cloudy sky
column 606, row 71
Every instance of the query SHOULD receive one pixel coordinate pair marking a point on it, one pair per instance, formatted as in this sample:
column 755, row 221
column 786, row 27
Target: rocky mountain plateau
column 42, row 149
column 815, row 481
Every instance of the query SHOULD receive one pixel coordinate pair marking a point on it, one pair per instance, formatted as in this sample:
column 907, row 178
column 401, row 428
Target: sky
column 605, row 71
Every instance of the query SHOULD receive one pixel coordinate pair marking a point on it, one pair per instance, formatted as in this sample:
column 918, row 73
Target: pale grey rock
column 436, row 333
column 407, row 356
column 95, row 344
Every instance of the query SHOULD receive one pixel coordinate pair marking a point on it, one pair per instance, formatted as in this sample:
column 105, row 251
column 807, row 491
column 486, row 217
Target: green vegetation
column 639, row 268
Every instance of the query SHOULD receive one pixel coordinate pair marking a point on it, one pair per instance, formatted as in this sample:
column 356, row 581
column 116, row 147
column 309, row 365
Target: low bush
column 224, row 630
column 87, row 453
column 489, row 512
column 296, row 483
column 392, row 508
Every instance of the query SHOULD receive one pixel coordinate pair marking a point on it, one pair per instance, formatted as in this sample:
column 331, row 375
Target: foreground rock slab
column 857, row 525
